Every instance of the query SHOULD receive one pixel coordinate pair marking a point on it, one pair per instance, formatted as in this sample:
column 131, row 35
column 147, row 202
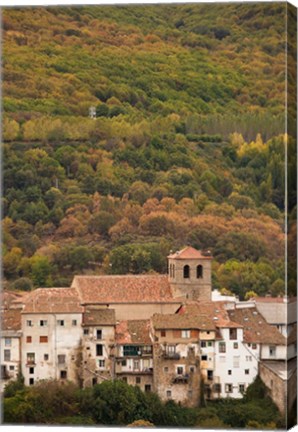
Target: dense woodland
column 188, row 145
column 117, row 403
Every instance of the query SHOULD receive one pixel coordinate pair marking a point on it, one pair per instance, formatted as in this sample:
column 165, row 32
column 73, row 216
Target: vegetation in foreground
column 117, row 403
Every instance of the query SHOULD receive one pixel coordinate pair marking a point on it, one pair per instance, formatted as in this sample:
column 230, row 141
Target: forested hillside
column 187, row 146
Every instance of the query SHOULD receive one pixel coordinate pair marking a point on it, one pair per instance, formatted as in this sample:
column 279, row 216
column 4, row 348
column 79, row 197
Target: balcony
column 171, row 355
column 181, row 379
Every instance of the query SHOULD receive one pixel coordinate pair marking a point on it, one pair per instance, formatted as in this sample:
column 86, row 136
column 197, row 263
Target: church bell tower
column 189, row 273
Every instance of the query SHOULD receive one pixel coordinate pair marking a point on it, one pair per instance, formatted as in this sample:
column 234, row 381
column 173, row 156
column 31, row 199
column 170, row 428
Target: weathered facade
column 159, row 332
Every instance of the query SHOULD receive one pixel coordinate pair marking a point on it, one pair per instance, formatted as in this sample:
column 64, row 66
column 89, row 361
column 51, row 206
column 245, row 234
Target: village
column 170, row 334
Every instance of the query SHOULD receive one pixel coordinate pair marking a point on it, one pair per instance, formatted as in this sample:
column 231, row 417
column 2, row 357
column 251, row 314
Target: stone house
column 97, row 344
column 176, row 359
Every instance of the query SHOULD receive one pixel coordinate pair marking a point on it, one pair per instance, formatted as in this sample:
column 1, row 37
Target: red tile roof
column 10, row 299
column 214, row 310
column 53, row 300
column 96, row 317
column 124, row 289
column 11, row 319
column 190, row 253
column 182, row 321
column 256, row 328
column 133, row 332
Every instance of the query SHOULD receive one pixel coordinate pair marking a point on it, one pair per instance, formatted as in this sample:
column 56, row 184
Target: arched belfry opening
column 190, row 274
column 186, row 272
column 200, row 272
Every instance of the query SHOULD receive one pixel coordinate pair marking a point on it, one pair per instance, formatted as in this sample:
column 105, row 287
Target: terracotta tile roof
column 53, row 300
column 190, row 253
column 104, row 317
column 182, row 321
column 256, row 328
column 133, row 332
column 10, row 299
column 123, row 289
column 11, row 319
column 215, row 311
column 292, row 338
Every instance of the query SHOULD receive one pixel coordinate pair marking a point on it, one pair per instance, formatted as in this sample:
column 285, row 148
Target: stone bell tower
column 189, row 273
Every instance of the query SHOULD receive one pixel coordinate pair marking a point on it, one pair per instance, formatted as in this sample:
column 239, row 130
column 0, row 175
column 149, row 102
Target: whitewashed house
column 51, row 335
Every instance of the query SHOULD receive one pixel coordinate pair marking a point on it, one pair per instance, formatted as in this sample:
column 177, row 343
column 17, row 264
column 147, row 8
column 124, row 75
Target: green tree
column 41, row 271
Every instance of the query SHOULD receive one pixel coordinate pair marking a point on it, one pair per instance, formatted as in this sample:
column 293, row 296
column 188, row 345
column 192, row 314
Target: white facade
column 10, row 356
column 50, row 344
column 235, row 366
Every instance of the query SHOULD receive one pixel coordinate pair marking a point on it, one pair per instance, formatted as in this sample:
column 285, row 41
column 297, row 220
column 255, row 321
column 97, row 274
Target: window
column 43, row 339
column 166, row 369
column 272, row 351
column 94, row 381
column 30, row 358
column 86, row 331
column 229, row 372
column 136, row 365
column 131, row 350
column 241, row 388
column 204, row 357
column 186, row 272
column 236, row 361
column 233, row 333
column 210, row 375
column 99, row 350
column 199, row 272
column 217, row 388
column 169, row 394
column 180, row 370
column 171, row 349
column 254, row 346
column 229, row 388
column 222, row 359
column 46, row 357
column 74, row 323
column 248, row 358
column 124, row 379
column 29, row 339
column 61, row 358
column 147, row 349
column 138, row 380
column 6, row 355
column 98, row 334
column 246, row 371
column 185, row 334
column 163, row 333
column 31, row 370
column 203, row 344
column 43, row 323
column 222, row 347
column 101, row 363
column 192, row 368
column 210, row 344
column 60, row 323
column 7, row 342
column 147, row 388
column 31, row 381
column 63, row 374
column 235, row 345
column 29, row 323
column 123, row 363
column 11, row 368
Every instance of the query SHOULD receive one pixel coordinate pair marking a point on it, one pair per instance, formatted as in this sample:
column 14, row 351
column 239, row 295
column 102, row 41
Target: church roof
column 190, row 253
column 124, row 289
